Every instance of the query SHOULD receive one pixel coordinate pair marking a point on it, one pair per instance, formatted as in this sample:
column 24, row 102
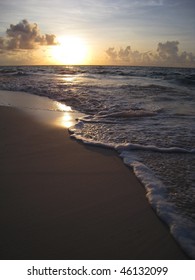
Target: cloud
column 128, row 56
column 124, row 54
column 1, row 43
column 25, row 36
column 112, row 54
column 167, row 54
column 168, row 50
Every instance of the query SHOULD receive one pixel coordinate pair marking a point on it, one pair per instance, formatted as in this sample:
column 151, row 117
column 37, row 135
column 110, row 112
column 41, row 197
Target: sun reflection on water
column 67, row 120
column 63, row 107
column 68, row 79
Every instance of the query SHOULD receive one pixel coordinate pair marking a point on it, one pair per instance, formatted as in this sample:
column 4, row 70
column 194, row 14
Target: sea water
column 146, row 113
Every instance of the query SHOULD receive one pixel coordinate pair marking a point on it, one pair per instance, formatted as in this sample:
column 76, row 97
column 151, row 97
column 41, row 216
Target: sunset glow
column 120, row 32
column 69, row 50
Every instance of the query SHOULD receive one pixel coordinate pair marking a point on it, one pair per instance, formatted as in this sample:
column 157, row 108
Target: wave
column 187, row 79
column 116, row 117
column 130, row 146
column 76, row 132
column 129, row 114
column 180, row 227
column 67, row 72
column 6, row 72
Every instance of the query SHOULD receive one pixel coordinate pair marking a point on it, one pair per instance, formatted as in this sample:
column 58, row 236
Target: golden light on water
column 63, row 107
column 71, row 50
column 66, row 120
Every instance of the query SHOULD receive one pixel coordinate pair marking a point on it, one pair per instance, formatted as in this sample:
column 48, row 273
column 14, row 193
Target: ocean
column 147, row 114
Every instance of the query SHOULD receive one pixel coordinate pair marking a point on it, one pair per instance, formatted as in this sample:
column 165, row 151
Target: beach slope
column 61, row 199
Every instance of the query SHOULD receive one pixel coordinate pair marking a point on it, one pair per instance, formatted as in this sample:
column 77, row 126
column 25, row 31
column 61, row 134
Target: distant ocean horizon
column 99, row 65
column 145, row 113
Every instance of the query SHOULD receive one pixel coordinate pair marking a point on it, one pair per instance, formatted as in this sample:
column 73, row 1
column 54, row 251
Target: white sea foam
column 76, row 132
column 129, row 146
column 181, row 228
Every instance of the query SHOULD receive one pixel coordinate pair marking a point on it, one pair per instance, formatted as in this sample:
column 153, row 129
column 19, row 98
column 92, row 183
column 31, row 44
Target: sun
column 70, row 50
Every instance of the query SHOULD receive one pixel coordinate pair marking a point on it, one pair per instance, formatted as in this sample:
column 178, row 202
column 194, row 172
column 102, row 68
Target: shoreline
column 65, row 200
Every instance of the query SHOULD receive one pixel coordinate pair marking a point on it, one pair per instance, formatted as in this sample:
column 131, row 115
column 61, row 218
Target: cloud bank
column 167, row 54
column 25, row 36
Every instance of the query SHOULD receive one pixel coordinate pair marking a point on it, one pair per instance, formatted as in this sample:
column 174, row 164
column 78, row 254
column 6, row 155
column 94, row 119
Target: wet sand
column 61, row 199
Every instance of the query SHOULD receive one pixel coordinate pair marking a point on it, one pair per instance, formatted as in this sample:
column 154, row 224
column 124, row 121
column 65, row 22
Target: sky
column 121, row 32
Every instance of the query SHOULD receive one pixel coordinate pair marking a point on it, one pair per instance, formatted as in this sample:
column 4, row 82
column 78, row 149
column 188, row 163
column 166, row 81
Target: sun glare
column 70, row 50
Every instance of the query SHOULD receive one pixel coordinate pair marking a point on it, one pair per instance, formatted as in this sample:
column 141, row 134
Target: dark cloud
column 168, row 51
column 167, row 54
column 25, row 35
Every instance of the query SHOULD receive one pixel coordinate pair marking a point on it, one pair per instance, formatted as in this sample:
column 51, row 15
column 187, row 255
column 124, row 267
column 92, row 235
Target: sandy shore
column 64, row 200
